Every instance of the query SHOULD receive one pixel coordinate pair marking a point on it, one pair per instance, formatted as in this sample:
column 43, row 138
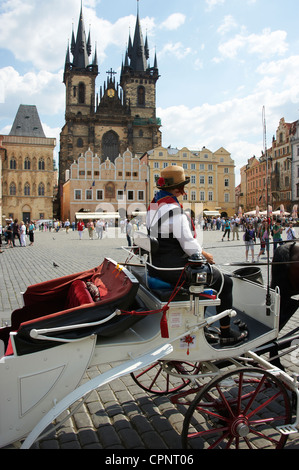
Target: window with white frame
column 226, row 197
column 141, row 195
column 210, row 167
column 201, row 179
column 156, row 164
column 201, row 166
column 88, row 194
column 193, row 166
column 130, row 195
column 100, row 194
column 78, row 195
column 193, row 179
column 210, row 180
column 185, row 166
column 210, row 196
column 202, row 195
column 226, row 182
column 120, row 195
column 193, row 195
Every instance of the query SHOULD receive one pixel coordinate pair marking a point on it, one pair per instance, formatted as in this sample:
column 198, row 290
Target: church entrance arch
column 110, row 145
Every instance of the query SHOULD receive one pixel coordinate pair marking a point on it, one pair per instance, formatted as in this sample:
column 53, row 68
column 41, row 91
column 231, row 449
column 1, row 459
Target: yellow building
column 28, row 176
column 94, row 187
column 212, row 177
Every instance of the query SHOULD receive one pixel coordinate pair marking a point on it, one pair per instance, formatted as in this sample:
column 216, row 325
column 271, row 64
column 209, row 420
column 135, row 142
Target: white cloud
column 227, row 25
column 174, row 21
column 265, row 45
column 177, row 50
column 211, row 4
column 43, row 89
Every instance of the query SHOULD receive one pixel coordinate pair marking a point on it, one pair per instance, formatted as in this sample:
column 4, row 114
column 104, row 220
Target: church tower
column 119, row 116
column 138, row 81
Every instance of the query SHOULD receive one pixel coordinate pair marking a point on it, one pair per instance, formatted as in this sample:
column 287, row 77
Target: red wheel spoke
column 145, row 371
column 202, row 409
column 255, row 393
column 263, row 405
column 225, row 401
column 264, row 436
column 240, row 393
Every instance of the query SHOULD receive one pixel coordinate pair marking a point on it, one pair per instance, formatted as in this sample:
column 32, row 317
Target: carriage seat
column 78, row 294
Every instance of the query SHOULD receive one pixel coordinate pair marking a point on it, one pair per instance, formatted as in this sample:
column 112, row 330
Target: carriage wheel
column 165, row 377
column 238, row 410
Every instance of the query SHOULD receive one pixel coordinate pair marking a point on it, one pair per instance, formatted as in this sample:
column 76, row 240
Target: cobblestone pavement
column 120, row 415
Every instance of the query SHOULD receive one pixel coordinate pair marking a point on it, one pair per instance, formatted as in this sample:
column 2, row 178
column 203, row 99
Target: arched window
column 41, row 189
column 80, row 142
column 27, row 164
column 81, row 96
column 27, row 189
column 12, row 189
column 141, row 96
column 110, row 145
column 41, row 164
column 13, row 164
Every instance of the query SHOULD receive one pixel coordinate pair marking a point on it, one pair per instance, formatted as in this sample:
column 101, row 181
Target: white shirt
column 290, row 233
column 177, row 224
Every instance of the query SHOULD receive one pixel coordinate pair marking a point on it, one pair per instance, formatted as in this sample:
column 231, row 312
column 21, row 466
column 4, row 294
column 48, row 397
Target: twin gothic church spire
column 80, row 49
column 136, row 58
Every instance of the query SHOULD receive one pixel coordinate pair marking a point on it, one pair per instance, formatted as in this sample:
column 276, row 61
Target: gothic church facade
column 122, row 116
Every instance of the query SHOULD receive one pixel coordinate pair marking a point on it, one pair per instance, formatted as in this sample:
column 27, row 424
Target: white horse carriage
column 164, row 336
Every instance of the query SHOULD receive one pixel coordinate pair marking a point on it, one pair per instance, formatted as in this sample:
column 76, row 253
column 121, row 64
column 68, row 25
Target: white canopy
column 212, row 213
column 97, row 215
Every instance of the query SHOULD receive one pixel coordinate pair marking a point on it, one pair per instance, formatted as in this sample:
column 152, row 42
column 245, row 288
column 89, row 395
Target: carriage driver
column 177, row 242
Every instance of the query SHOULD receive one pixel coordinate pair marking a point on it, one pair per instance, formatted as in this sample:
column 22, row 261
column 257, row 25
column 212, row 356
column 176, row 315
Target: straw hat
column 172, row 177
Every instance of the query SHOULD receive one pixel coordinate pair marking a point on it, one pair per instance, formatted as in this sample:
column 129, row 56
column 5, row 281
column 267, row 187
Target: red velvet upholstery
column 78, row 294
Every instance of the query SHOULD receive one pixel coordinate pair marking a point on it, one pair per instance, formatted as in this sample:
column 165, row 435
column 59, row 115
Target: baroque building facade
column 278, row 182
column 28, row 176
column 120, row 116
column 212, row 177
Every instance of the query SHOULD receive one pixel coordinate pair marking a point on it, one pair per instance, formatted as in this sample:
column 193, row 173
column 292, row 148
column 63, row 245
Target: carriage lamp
column 198, row 272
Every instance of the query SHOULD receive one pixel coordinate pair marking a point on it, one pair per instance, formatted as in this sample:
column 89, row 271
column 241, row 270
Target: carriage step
column 287, row 429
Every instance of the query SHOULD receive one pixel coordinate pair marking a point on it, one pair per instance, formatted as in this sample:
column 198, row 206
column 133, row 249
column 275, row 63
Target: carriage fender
column 112, row 374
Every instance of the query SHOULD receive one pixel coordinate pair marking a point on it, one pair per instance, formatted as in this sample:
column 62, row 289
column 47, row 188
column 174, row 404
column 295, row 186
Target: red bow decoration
column 161, row 182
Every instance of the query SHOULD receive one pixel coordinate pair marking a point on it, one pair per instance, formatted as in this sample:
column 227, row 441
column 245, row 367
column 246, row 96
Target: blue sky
column 220, row 61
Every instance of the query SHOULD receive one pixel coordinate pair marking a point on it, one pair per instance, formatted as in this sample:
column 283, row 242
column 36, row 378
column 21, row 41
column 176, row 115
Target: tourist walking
column 250, row 240
column 264, row 238
column 277, row 231
column 16, row 232
column 99, row 229
column 90, row 228
column 290, row 232
column 226, row 229
column 80, row 228
column 31, row 233
column 129, row 232
column 23, row 234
